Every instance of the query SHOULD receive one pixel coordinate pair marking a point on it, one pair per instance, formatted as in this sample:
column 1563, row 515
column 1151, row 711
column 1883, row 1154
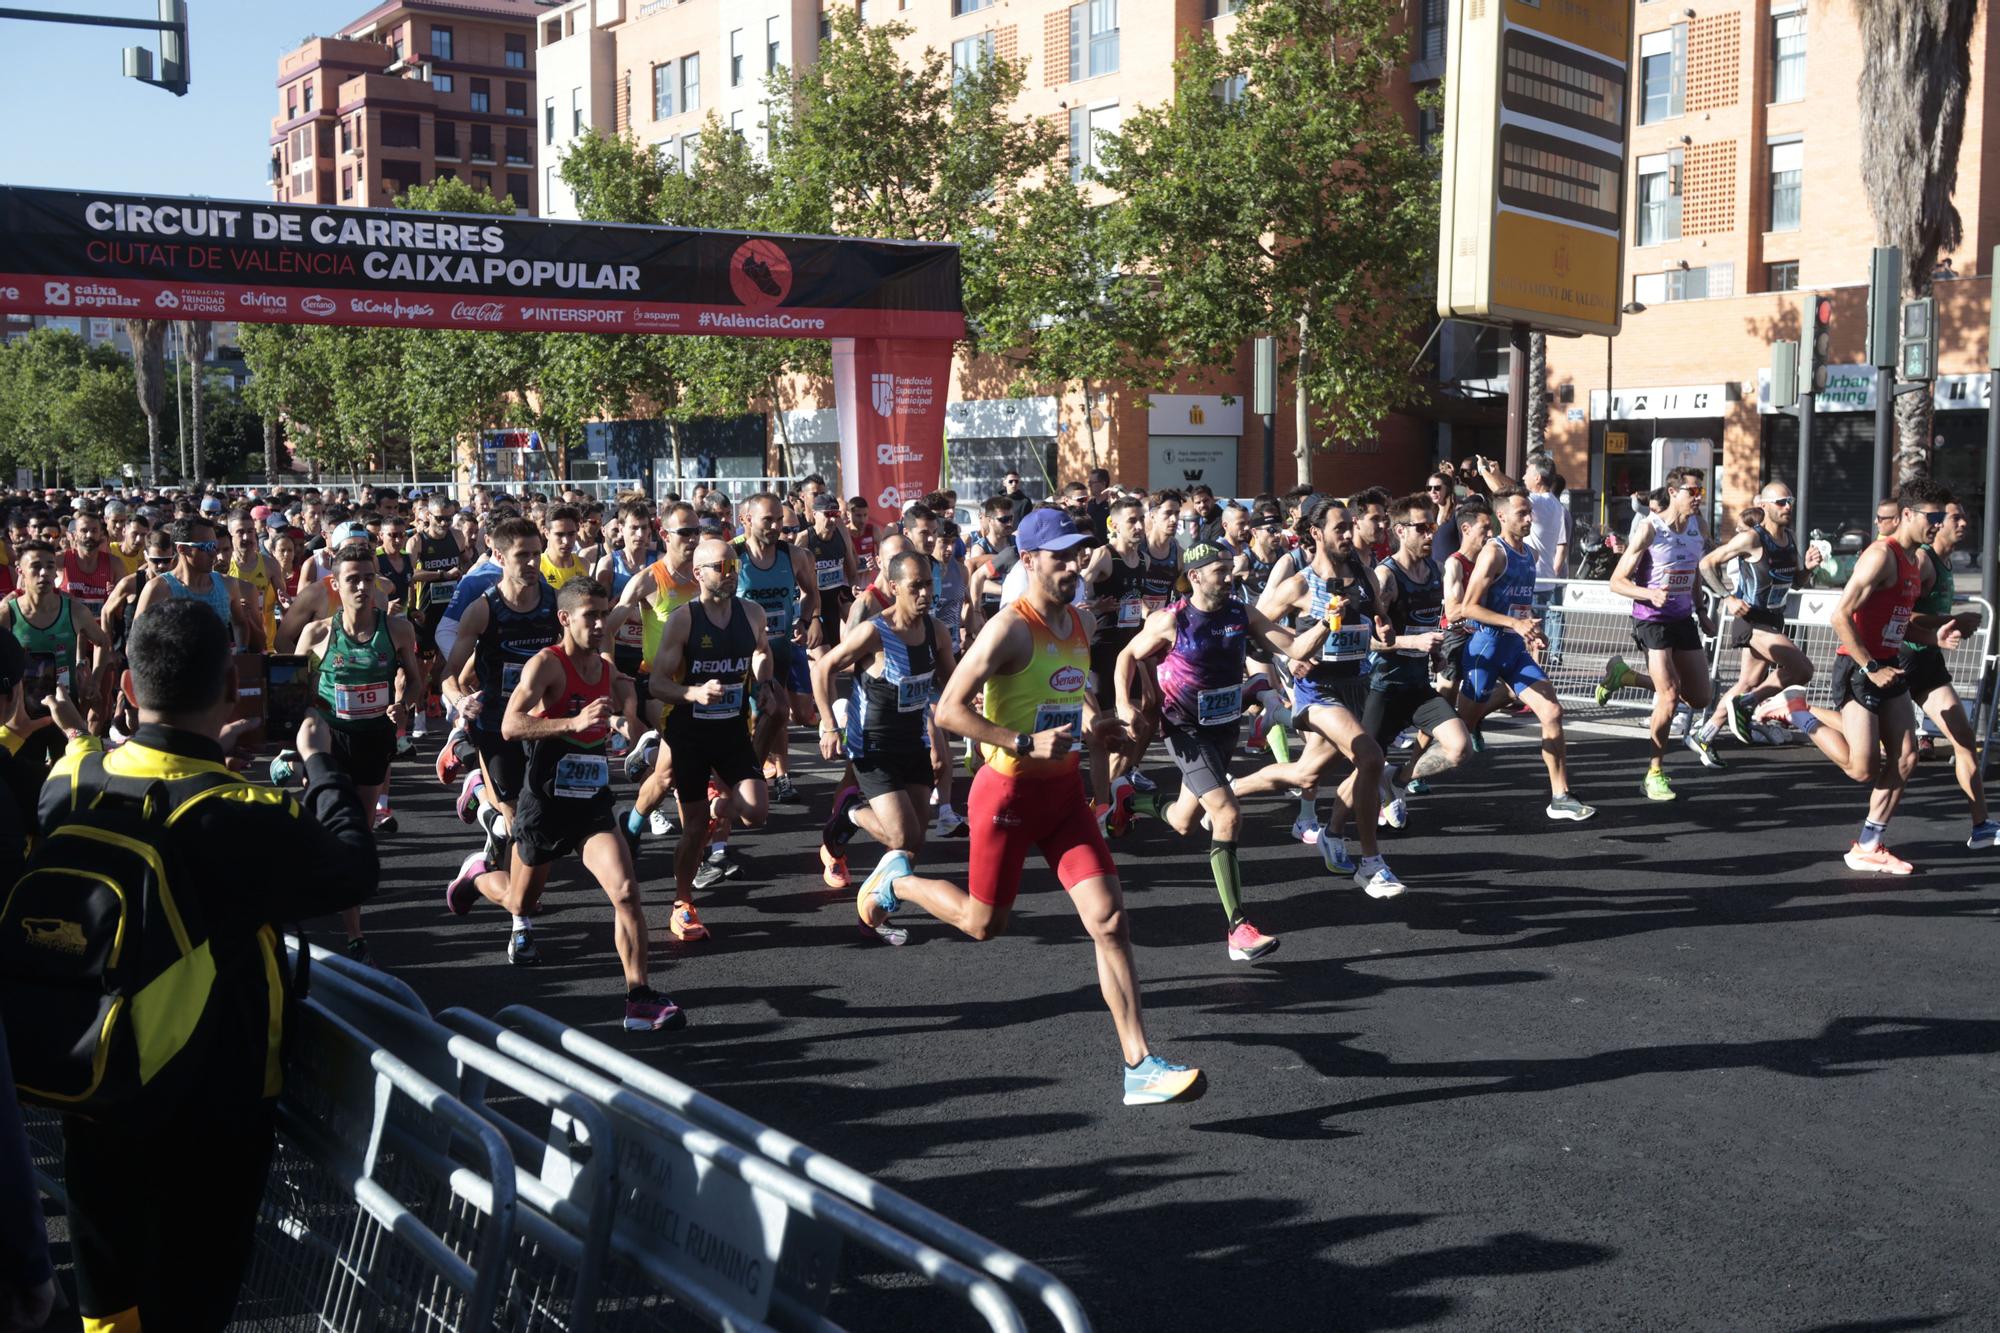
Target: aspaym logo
column 760, row 275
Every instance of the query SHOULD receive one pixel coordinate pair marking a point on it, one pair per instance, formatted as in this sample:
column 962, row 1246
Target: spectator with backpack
column 166, row 1054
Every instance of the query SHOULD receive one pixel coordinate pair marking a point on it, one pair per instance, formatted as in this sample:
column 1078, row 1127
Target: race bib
column 830, row 574
column 1050, row 716
column 725, row 709
column 1520, row 610
column 1153, row 604
column 1346, row 644
column 1131, row 611
column 1218, row 706
column 913, row 692
column 1679, row 580
column 355, row 703
column 510, row 676
column 632, row 633
column 581, row 776
column 1898, row 626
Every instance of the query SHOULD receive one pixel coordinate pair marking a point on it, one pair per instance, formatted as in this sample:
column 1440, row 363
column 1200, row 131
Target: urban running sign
column 66, row 252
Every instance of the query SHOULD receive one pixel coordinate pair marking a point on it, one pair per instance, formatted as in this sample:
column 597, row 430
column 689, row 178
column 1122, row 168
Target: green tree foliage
column 1279, row 191
column 68, row 406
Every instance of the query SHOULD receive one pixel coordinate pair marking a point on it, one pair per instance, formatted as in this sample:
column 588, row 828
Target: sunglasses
column 1419, row 527
column 159, row 560
column 1437, row 490
column 1785, row 500
column 688, row 534
column 1934, row 516
column 209, row 547
column 1005, row 520
column 1692, row 490
column 726, row 566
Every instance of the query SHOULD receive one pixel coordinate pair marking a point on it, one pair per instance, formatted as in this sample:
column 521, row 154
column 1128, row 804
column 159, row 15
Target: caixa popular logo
column 318, row 305
column 1066, row 679
column 486, row 312
column 55, row 293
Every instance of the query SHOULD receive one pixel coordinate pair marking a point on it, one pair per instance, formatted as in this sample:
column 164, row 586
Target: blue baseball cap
column 1047, row 530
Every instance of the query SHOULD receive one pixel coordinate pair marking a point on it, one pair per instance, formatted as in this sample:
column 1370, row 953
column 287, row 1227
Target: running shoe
column 1247, row 943
column 1656, row 786
column 1984, row 835
column 1706, row 749
column 686, row 924
column 1153, row 1081
column 1616, row 674
column 659, row 824
column 833, row 869
column 888, row 933
column 707, row 875
column 785, row 792
column 1739, row 719
column 1260, row 727
column 1142, row 782
column 468, row 797
column 521, row 949
column 495, row 849
column 420, row 725
column 1306, row 829
column 725, row 857
column 878, row 891
column 448, row 764
column 284, row 767
column 838, row 829
column 462, row 893
column 1568, row 807
column 405, row 747
column 1119, row 815
column 1333, row 851
column 1373, row 875
column 1418, row 787
column 642, row 755
column 357, row 952
column 948, row 824
column 1780, row 706
column 1395, row 813
column 385, row 820
column 646, row 1010
column 1877, row 860
column 1478, row 740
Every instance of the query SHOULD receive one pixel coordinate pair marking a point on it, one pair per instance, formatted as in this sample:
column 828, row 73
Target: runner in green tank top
column 62, row 640
column 1930, row 682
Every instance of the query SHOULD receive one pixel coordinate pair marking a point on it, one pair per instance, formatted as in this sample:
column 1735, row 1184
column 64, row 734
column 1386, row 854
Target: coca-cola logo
column 489, row 312
column 317, row 305
column 1064, row 680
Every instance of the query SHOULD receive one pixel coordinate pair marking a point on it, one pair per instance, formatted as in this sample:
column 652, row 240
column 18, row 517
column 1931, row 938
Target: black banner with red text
column 65, row 252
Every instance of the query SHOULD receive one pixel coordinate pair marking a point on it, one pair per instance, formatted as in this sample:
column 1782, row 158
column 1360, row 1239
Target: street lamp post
column 171, row 25
column 1604, row 482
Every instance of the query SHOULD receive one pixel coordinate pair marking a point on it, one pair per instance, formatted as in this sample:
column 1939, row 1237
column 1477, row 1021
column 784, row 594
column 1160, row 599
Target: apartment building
column 1745, row 199
column 411, row 92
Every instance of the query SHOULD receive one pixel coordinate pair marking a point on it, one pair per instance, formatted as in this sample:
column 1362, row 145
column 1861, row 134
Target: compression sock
column 1871, row 834
column 1228, row 878
column 522, row 923
column 1706, row 732
column 1280, row 743
column 635, row 821
column 1307, row 811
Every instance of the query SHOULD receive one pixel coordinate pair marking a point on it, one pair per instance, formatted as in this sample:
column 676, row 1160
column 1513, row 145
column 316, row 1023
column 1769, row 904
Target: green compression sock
column 1281, row 745
column 1228, row 878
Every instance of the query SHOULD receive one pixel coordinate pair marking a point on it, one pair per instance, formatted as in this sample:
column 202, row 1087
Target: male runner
column 1764, row 558
column 990, row 558
column 1203, row 638
column 361, row 650
column 90, row 570
column 1409, row 590
column 255, row 571
column 711, row 652
column 656, row 592
column 1664, row 551
column 1115, row 577
column 1873, row 734
column 1334, row 598
column 62, row 641
column 561, row 563
column 1500, row 600
column 1033, row 662
column 897, row 658
column 1474, row 526
column 1929, row 679
column 781, row 578
column 835, row 569
column 195, row 578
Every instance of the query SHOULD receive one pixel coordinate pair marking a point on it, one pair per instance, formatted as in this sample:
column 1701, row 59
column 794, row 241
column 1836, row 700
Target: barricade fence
column 453, row 1174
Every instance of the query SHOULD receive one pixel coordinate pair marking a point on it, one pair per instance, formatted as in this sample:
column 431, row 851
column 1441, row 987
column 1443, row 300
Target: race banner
column 103, row 255
column 889, row 395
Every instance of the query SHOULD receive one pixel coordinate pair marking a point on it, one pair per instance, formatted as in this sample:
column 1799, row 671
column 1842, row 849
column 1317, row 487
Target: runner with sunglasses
column 1763, row 558
column 1409, row 590
column 654, row 594
column 195, row 578
column 1930, row 681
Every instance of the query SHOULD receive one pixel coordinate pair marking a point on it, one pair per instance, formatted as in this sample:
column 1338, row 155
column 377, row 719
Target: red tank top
column 1464, row 578
column 579, row 694
column 90, row 589
column 1884, row 615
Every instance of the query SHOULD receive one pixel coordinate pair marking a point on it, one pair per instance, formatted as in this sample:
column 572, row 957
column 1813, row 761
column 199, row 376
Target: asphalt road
column 1674, row 1068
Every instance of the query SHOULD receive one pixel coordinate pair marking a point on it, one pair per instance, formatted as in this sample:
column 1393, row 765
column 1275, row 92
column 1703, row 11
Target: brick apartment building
column 1745, row 199
column 658, row 68
column 411, row 92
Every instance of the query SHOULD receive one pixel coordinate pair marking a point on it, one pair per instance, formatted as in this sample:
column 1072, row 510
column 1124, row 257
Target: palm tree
column 1916, row 66
column 196, row 335
column 149, row 373
column 1538, row 398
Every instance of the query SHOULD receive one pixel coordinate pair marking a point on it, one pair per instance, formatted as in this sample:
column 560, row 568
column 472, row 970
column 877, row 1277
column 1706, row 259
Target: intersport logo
column 489, row 312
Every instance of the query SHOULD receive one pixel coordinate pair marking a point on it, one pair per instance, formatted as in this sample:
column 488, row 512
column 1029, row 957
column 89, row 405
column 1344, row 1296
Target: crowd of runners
column 999, row 673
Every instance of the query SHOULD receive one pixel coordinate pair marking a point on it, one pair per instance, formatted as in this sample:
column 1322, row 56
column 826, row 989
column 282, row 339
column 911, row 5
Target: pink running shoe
column 468, row 797
column 1877, row 860
column 462, row 893
column 1247, row 944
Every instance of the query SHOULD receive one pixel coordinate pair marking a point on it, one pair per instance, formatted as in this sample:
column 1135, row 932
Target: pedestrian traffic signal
column 1784, row 374
column 1812, row 365
column 1916, row 352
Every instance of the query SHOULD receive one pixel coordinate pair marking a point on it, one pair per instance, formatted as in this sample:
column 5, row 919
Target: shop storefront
column 985, row 440
column 1646, row 433
column 1192, row 440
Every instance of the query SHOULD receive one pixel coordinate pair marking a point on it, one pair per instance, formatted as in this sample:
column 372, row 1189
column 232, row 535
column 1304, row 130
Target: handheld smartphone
column 287, row 695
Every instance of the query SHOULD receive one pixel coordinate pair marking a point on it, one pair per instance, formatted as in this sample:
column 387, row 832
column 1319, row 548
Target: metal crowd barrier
column 451, row 1174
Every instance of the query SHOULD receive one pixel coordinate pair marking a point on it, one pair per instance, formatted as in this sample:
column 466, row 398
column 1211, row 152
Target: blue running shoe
column 1333, row 851
column 879, row 889
column 1154, row 1080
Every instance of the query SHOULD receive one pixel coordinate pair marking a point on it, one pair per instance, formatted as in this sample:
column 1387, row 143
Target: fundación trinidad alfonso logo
column 760, row 275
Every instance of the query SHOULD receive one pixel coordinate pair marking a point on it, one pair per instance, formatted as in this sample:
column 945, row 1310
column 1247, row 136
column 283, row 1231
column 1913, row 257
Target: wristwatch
column 1872, row 664
column 1023, row 743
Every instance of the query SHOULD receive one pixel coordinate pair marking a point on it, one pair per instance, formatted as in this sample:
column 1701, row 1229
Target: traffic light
column 1784, row 374
column 1885, row 289
column 1812, row 364
column 1916, row 353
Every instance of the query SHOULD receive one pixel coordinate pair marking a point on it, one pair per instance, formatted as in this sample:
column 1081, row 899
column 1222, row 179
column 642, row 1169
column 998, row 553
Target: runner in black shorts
column 712, row 652
column 1475, row 525
column 834, row 568
column 1116, row 578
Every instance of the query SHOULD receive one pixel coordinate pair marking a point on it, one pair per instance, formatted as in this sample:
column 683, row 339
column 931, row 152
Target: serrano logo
column 317, row 305
column 489, row 312
column 760, row 275
column 1066, row 679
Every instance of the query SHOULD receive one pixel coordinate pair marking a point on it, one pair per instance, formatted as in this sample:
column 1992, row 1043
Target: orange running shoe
column 685, row 924
column 1877, row 860
column 835, row 872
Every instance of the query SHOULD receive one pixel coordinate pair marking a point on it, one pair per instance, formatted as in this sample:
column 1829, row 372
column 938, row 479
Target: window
column 774, row 43
column 517, row 189
column 736, row 123
column 347, row 182
column 736, row 58
column 1215, row 9
column 968, row 6
column 1088, row 128
column 440, row 42
column 690, row 82
column 517, row 146
column 400, row 130
column 482, row 95
column 1788, row 161
column 346, row 136
column 1093, row 39
column 1230, row 88
column 441, row 82
column 517, row 50
column 446, row 133
column 575, row 111
column 446, row 174
column 1684, row 284
column 969, row 53
column 1788, row 55
column 663, row 90
column 291, row 104
column 548, row 120
column 396, row 43
column 690, row 151
column 1782, row 277
column 1662, row 73
column 1659, row 198
column 548, row 185
column 483, row 180
column 517, row 99
column 1431, row 20
column 309, row 99
column 482, row 143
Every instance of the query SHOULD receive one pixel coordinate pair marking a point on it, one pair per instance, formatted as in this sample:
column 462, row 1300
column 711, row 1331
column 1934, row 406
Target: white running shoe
column 658, row 824
column 1306, row 829
column 947, row 823
column 1372, row 874
column 1395, row 813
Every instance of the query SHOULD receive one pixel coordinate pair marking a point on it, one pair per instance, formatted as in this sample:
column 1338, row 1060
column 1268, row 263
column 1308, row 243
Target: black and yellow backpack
column 105, row 970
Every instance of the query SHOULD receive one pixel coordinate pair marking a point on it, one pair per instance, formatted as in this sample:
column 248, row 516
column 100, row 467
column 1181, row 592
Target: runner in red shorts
column 1033, row 660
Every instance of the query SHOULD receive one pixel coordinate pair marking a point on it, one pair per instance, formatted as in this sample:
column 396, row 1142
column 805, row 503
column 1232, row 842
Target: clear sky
column 75, row 122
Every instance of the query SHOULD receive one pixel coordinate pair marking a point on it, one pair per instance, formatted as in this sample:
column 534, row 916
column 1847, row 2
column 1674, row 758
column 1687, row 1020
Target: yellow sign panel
column 1532, row 218
column 1616, row 442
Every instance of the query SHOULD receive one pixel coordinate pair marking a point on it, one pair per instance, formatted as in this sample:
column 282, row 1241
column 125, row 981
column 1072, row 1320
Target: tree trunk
column 271, row 451
column 1090, row 425
column 674, row 439
column 149, row 375
column 1302, row 407
column 785, row 465
column 1538, row 398
column 196, row 335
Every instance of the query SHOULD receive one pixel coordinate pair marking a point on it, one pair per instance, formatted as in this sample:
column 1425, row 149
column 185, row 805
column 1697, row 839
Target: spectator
column 1018, row 498
column 1549, row 537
